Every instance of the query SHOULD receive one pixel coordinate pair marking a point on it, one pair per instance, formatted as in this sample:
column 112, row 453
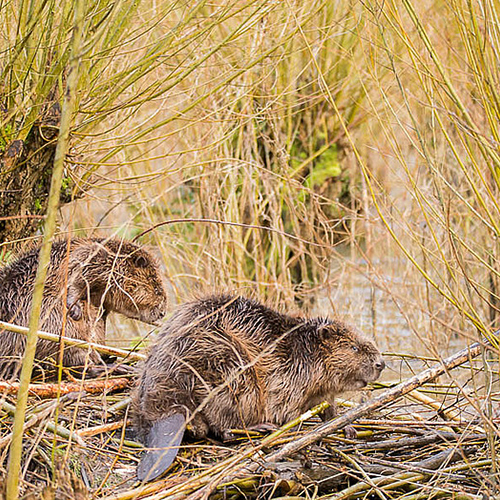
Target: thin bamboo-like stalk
column 70, row 97
column 80, row 344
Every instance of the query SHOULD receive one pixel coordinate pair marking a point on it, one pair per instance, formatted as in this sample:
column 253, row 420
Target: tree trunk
column 25, row 173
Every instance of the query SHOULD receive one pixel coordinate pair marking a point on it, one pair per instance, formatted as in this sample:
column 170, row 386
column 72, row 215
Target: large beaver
column 226, row 362
column 95, row 277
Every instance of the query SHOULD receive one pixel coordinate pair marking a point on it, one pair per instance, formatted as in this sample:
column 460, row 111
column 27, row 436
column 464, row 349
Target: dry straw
column 368, row 132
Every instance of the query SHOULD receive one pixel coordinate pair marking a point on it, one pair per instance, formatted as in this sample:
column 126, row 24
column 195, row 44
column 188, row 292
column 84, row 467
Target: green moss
column 325, row 167
column 6, row 136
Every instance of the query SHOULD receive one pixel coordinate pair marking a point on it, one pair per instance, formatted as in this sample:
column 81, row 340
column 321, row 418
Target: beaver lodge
column 424, row 437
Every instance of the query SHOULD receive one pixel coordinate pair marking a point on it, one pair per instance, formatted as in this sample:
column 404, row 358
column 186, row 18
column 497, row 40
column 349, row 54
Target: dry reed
column 369, row 133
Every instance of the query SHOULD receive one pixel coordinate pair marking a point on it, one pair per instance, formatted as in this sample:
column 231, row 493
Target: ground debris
column 408, row 447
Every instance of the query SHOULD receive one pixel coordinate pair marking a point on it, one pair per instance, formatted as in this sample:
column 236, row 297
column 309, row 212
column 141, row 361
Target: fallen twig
column 99, row 429
column 389, row 444
column 36, row 419
column 392, row 482
column 81, row 344
column 425, row 466
column 388, row 396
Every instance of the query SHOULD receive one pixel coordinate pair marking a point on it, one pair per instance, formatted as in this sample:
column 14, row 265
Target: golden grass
column 369, row 132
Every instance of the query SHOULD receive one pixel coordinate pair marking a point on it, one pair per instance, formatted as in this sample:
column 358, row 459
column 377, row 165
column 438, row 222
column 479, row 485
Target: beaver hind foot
column 163, row 443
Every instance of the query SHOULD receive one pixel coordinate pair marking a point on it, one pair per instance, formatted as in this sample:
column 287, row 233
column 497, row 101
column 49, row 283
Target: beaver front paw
column 75, row 311
column 350, row 432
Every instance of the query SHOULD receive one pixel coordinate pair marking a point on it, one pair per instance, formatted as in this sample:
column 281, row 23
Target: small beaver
column 226, row 362
column 97, row 276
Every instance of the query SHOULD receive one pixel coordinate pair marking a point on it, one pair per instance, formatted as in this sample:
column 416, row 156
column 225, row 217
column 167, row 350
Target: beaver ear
column 75, row 310
column 140, row 261
column 325, row 332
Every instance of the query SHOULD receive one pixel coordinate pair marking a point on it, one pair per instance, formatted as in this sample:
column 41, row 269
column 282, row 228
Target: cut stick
column 446, row 413
column 81, row 344
column 99, row 429
column 388, row 396
column 52, row 390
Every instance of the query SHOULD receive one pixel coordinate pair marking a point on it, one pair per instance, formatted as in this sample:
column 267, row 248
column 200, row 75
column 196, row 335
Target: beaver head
column 118, row 275
column 350, row 360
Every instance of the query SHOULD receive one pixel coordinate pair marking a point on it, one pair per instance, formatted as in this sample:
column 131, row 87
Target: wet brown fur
column 257, row 365
column 95, row 277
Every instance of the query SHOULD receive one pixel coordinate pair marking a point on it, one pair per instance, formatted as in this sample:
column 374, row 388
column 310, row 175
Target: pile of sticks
column 434, row 435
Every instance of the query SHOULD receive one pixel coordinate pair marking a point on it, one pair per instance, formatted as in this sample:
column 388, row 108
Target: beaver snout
column 371, row 371
column 154, row 314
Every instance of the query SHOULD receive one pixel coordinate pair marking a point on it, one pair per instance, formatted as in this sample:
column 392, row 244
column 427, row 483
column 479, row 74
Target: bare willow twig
column 230, row 223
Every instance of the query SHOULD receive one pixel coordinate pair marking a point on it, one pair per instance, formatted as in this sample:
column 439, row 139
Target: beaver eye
column 355, row 348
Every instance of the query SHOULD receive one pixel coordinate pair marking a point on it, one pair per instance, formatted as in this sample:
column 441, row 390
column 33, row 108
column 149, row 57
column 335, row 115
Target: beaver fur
column 95, row 277
column 225, row 362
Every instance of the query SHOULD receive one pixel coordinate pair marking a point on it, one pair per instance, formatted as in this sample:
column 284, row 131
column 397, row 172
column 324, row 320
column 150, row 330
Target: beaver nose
column 380, row 365
column 158, row 314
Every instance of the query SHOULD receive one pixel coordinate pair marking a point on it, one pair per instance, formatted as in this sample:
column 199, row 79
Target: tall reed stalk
column 67, row 116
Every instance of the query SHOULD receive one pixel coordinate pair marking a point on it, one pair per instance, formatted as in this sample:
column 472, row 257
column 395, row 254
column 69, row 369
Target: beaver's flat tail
column 163, row 442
